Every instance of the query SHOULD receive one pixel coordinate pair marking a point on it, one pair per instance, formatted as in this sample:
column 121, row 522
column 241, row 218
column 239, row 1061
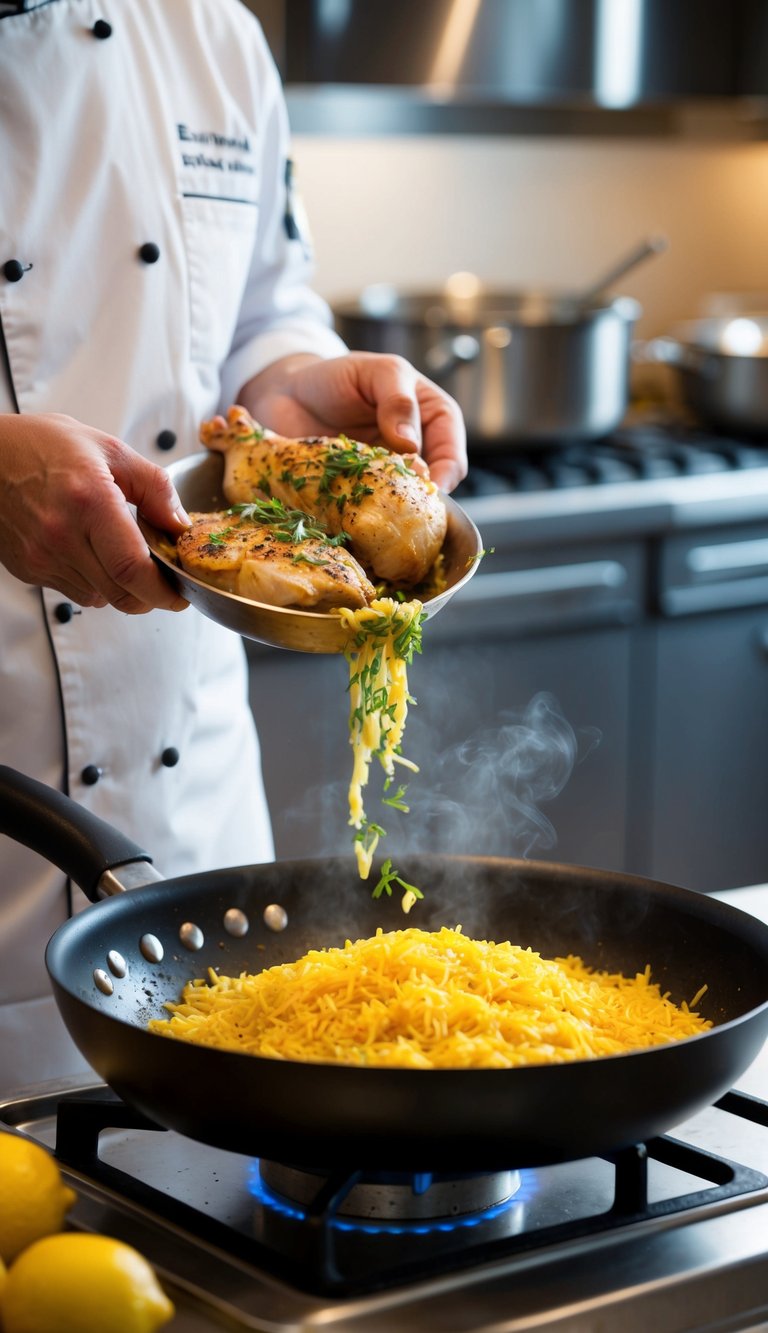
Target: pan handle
column 81, row 844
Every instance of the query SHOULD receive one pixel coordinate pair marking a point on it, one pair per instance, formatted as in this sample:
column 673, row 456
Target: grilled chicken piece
column 249, row 558
column 395, row 519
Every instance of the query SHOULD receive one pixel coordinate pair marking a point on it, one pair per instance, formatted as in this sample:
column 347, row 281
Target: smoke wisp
column 482, row 796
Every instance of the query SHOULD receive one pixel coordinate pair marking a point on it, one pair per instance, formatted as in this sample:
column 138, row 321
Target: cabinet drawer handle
column 593, row 575
column 728, row 557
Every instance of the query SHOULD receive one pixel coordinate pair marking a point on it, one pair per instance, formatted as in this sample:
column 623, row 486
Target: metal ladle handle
column 653, row 245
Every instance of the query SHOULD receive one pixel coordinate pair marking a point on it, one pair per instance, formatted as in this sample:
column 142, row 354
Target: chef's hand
column 370, row 396
column 64, row 517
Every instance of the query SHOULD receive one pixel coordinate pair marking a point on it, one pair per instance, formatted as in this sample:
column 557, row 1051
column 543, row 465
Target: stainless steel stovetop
column 649, row 476
column 676, row 1242
column 695, row 1259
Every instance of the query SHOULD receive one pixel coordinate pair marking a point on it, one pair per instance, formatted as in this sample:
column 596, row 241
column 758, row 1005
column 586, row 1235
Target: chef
column 153, row 271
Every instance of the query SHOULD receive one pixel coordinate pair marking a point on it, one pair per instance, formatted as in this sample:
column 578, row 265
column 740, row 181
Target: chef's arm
column 65, row 520
column 368, row 396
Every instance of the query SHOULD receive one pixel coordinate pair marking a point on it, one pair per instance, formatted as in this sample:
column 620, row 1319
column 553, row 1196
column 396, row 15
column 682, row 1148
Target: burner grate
column 318, row 1250
column 641, row 452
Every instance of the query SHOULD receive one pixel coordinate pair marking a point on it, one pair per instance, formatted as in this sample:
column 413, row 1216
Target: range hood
column 519, row 55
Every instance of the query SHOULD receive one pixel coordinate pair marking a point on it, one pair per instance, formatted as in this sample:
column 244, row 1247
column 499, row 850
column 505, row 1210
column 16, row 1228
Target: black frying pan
column 325, row 1115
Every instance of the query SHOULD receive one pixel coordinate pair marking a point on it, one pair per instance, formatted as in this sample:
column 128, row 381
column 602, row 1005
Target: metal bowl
column 198, row 480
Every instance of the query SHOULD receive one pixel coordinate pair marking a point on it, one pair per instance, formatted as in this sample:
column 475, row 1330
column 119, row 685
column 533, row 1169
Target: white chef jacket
column 143, row 194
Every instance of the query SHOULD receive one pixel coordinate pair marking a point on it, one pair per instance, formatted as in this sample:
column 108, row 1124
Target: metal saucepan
column 114, row 965
column 525, row 367
column 529, row 367
column 198, row 481
column 721, row 365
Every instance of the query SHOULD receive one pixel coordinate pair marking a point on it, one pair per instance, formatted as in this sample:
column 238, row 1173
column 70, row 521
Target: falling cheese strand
column 380, row 648
column 430, row 1000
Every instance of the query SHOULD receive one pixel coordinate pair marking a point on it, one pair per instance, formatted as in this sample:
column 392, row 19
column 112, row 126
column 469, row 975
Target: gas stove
column 672, row 1234
column 652, row 451
column 652, row 474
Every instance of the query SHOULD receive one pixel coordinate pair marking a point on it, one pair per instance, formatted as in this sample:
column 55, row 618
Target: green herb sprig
column 369, row 835
column 479, row 555
column 288, row 525
column 396, row 801
column 217, row 538
column 352, row 460
column 406, row 642
column 389, row 877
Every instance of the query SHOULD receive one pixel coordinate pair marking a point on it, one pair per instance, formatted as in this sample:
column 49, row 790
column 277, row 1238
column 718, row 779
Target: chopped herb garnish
column 359, row 492
column 350, row 459
column 479, row 555
column 288, row 525
column 408, row 641
column 217, row 538
column 291, row 479
column 369, row 835
column 379, row 701
column 396, row 801
column 299, row 559
column 389, row 877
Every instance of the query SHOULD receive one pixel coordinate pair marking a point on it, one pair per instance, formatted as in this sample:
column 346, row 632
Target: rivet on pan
column 117, row 964
column 103, row 981
column 275, row 917
column 235, row 922
column 191, row 936
column 151, row 948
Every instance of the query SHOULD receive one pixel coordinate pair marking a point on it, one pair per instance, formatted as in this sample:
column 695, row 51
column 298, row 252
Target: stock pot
column 524, row 366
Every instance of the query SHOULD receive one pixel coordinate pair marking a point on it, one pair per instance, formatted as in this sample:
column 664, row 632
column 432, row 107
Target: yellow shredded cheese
column 382, row 638
column 430, row 1000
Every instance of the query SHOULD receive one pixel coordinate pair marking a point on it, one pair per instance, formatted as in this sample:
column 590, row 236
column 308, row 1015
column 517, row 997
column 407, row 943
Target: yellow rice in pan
column 430, row 1000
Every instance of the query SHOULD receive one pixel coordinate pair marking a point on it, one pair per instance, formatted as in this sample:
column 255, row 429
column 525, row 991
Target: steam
column 493, row 785
column 483, row 795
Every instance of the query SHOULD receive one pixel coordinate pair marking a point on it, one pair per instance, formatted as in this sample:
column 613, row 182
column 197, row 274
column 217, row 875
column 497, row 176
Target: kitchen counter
column 753, row 899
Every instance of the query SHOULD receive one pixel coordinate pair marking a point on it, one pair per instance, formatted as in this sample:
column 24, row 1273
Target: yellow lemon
column 78, row 1283
column 33, row 1197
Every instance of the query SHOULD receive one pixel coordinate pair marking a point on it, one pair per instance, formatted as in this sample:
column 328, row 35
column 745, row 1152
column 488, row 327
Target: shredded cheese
column 430, row 1000
column 383, row 638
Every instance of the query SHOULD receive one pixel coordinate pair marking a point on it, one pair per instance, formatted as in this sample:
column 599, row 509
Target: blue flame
column 276, row 1203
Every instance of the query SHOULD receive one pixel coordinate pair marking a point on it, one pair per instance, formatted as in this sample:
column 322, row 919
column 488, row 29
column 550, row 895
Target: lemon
column 79, row 1283
column 33, row 1197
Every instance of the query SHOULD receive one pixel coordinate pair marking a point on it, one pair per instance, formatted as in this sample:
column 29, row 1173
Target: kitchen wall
column 542, row 211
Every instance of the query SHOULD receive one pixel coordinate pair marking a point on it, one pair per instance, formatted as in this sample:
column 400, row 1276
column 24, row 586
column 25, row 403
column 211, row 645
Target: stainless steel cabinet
column 597, row 703
column 521, row 730
column 521, row 744
column 708, row 823
column 709, row 818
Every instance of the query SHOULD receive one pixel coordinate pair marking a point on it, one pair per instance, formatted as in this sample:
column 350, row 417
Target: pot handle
column 442, row 359
column 81, row 844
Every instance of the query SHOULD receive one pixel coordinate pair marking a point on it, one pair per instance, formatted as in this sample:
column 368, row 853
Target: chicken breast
column 395, row 519
column 257, row 560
